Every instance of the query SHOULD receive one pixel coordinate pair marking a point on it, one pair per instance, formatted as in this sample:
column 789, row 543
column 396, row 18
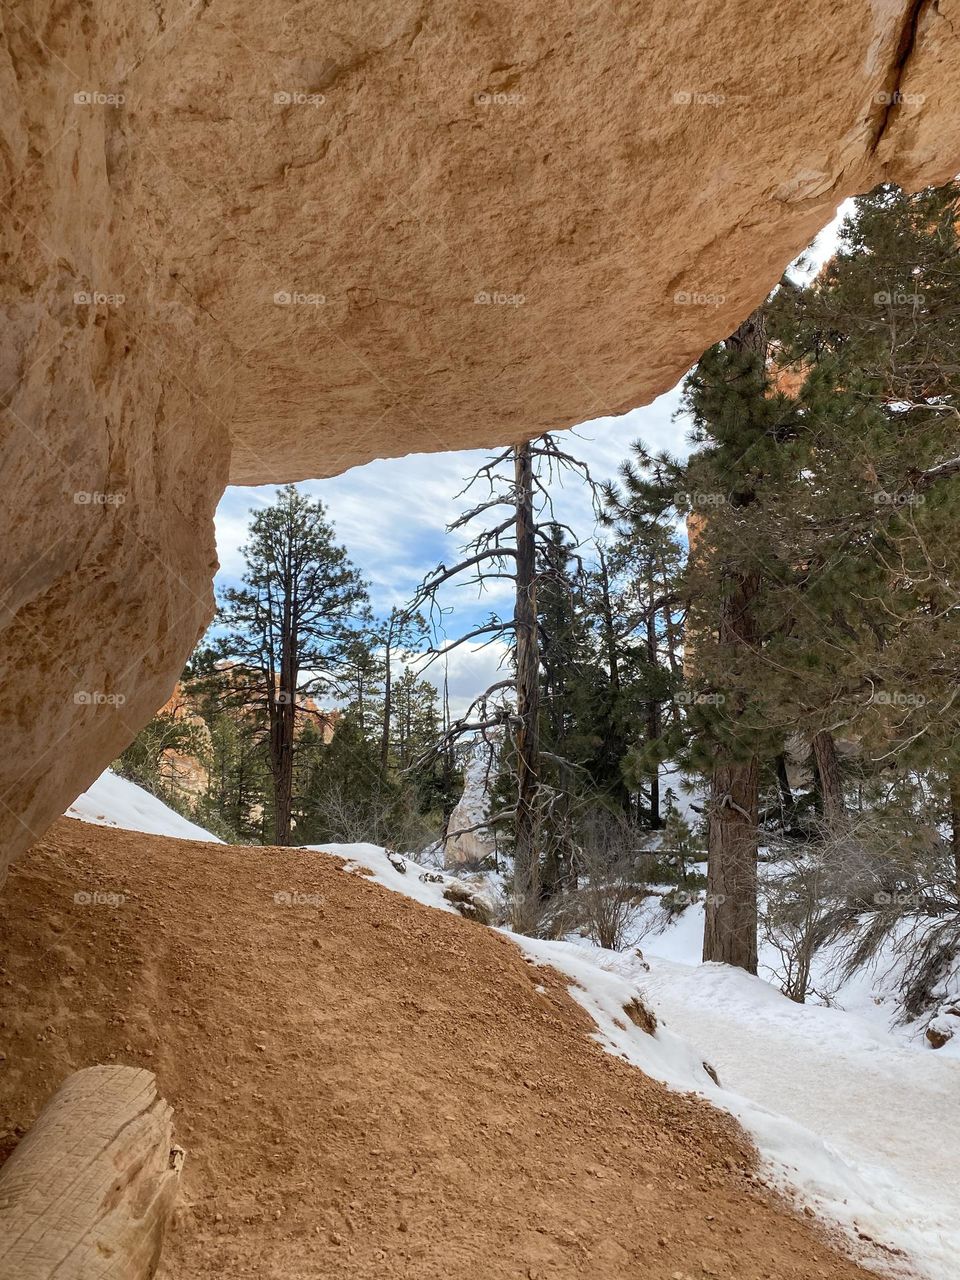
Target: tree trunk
column 89, row 1190
column 526, row 736
column 674, row 641
column 955, row 827
column 609, row 632
column 829, row 778
column 730, row 927
column 618, row 786
column 282, row 792
column 282, row 733
column 387, row 708
column 653, row 707
column 787, row 801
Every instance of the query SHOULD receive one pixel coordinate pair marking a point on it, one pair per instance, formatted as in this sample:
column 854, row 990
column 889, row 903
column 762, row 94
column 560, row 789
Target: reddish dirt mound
column 365, row 1087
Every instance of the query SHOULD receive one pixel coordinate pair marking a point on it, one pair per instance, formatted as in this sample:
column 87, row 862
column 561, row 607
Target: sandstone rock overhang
column 275, row 241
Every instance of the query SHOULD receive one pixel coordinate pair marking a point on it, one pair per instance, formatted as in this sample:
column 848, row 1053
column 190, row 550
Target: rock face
column 468, row 843
column 268, row 242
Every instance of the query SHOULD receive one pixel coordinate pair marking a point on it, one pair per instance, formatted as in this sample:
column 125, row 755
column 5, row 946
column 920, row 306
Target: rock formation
column 469, row 843
column 264, row 242
column 186, row 772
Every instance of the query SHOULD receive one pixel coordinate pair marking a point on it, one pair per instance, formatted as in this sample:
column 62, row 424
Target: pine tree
column 397, row 634
column 824, row 573
column 638, row 601
column 291, row 627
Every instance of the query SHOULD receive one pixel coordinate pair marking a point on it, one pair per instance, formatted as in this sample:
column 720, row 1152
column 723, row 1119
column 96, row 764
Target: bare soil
column 365, row 1087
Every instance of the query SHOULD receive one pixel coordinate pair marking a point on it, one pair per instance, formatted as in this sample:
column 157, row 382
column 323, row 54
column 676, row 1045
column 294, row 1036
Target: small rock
column 941, row 1029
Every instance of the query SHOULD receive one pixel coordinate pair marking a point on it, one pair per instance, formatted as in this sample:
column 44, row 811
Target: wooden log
column 88, row 1192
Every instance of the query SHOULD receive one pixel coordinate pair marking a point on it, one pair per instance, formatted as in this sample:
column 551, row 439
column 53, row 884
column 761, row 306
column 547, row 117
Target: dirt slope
column 365, row 1087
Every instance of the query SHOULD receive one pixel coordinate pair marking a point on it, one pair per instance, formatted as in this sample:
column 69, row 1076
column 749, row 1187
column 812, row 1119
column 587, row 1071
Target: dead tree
column 526, row 736
column 510, row 708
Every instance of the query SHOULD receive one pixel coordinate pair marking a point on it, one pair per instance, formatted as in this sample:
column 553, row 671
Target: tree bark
column 619, row 790
column 283, row 712
column 829, row 778
column 653, row 707
column 955, row 827
column 88, row 1192
column 526, row 736
column 787, row 801
column 730, row 927
column 387, row 702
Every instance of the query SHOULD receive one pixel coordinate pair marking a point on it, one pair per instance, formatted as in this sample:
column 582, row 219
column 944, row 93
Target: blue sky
column 392, row 514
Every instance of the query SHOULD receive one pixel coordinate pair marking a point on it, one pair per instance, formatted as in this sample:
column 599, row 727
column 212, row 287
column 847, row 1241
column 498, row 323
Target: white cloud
column 470, row 669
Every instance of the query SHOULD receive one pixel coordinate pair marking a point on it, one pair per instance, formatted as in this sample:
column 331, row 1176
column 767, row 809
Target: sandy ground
column 365, row 1087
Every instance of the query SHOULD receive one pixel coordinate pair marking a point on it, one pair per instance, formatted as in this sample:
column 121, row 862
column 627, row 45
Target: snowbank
column 889, row 1169
column 114, row 802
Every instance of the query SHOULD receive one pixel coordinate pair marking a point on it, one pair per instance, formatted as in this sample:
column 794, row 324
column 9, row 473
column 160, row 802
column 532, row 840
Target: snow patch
column 112, row 801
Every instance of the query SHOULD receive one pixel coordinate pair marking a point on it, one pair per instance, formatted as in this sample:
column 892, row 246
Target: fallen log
column 87, row 1193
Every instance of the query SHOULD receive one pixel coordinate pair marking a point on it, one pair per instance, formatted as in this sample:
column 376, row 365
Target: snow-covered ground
column 114, row 802
column 849, row 1119
column 853, row 1119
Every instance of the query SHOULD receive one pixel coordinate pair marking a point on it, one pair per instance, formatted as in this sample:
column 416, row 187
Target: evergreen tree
column 398, row 634
column 292, row 626
column 639, row 604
